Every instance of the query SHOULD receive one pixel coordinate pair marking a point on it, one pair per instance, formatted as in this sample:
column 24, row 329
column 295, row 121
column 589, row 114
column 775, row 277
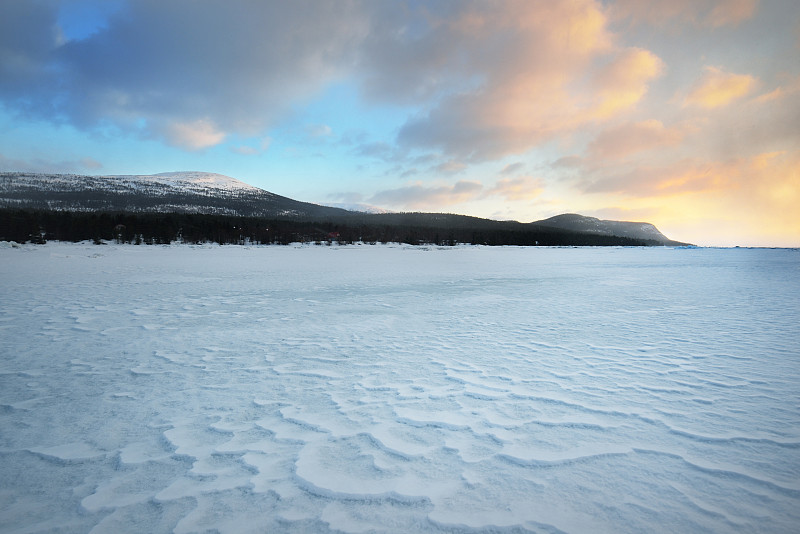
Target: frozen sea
column 398, row 389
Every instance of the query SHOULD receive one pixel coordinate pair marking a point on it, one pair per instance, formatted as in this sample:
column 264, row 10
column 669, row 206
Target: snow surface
column 199, row 180
column 398, row 389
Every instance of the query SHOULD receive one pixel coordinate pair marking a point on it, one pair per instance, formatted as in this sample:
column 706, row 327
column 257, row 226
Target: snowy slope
column 165, row 183
column 192, row 192
column 398, row 389
column 198, row 181
column 582, row 223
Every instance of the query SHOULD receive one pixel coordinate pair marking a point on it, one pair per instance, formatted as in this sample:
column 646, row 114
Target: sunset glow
column 685, row 114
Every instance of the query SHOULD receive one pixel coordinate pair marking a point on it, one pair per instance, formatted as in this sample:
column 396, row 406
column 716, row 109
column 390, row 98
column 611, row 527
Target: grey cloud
column 28, row 38
column 378, row 150
column 409, row 56
column 87, row 164
column 236, row 65
column 568, row 162
column 712, row 13
column 450, row 167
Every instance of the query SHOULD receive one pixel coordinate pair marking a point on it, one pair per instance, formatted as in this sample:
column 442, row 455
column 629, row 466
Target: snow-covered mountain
column 593, row 225
column 215, row 194
column 198, row 181
column 181, row 192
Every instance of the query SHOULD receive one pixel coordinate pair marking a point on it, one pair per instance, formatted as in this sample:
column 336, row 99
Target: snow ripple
column 363, row 389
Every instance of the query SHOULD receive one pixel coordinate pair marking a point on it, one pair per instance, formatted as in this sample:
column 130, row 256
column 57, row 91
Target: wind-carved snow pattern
column 398, row 389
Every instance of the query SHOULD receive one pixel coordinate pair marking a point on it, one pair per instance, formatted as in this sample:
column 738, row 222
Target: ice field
column 398, row 389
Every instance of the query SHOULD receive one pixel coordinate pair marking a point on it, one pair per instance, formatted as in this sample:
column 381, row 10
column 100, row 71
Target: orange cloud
column 705, row 178
column 624, row 82
column 687, row 176
column 718, row 88
column 631, row 138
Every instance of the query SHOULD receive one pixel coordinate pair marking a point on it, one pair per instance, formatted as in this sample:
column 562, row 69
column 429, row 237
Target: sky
column 685, row 114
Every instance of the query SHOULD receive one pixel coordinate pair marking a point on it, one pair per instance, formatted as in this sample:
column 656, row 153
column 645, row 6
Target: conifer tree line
column 40, row 226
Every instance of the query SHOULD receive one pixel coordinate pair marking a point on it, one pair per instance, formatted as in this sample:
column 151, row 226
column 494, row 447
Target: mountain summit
column 593, row 225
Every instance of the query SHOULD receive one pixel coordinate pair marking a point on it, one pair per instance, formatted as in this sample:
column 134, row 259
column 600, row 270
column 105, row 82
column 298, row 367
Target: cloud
column 378, row 150
column 512, row 189
column 247, row 150
column 40, row 165
column 450, row 167
column 158, row 68
column 708, row 13
column 195, row 135
column 631, row 138
column 91, row 163
column 781, row 92
column 319, row 130
column 718, row 88
column 418, row 196
column 555, row 69
column 28, row 36
column 731, row 12
column 568, row 162
column 622, row 83
column 483, row 80
column 772, row 174
column 511, row 168
column 688, row 175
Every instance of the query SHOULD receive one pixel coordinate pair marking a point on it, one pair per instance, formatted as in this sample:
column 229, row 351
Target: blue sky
column 681, row 113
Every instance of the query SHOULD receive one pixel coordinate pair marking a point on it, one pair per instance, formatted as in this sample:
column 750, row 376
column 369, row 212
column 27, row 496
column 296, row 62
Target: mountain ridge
column 204, row 193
